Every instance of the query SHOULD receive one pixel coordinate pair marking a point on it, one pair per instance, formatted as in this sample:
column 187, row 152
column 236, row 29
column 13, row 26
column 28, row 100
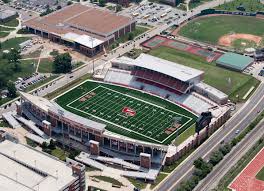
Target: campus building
column 25, row 169
column 6, row 15
column 87, row 29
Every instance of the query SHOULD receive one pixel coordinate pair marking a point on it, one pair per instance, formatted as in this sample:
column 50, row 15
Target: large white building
column 26, row 169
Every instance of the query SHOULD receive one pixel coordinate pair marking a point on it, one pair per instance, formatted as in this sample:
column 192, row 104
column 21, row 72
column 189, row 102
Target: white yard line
column 129, row 130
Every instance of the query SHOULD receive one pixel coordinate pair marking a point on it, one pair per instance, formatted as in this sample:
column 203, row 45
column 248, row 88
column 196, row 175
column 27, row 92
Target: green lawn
column 34, row 54
column 45, row 65
column 107, row 102
column 3, row 34
column 59, row 153
column 108, row 179
column 138, row 30
column 249, row 5
column 12, row 23
column 210, row 29
column 260, row 175
column 138, row 183
column 186, row 134
column 215, row 76
column 159, row 178
column 27, row 68
column 194, row 4
column 6, row 28
column 13, row 43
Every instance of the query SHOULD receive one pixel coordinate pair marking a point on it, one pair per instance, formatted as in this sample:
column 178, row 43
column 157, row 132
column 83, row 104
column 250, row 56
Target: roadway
column 239, row 121
column 219, row 171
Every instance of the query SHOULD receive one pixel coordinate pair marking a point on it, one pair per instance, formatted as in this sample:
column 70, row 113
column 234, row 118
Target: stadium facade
column 86, row 29
column 27, row 169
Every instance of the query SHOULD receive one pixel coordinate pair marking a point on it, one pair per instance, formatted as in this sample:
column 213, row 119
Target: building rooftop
column 235, row 61
column 31, row 170
column 207, row 88
column 5, row 13
column 76, row 118
column 50, row 106
column 172, row 69
column 80, row 19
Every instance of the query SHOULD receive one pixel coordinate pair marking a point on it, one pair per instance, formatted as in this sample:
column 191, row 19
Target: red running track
column 246, row 180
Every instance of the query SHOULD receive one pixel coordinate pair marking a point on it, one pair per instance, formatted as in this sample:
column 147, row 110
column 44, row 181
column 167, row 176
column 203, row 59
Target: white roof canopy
column 172, row 69
column 84, row 40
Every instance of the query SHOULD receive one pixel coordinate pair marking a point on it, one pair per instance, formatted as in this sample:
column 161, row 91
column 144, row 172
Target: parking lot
column 154, row 14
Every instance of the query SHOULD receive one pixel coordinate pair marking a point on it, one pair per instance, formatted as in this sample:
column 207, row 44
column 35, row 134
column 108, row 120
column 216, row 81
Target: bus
column 163, row 15
column 135, row 14
column 146, row 16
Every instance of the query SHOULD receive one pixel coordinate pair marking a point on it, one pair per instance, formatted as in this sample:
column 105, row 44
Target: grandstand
column 169, row 80
column 165, row 74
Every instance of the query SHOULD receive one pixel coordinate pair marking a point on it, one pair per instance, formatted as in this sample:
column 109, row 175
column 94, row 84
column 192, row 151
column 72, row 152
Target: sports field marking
column 136, row 106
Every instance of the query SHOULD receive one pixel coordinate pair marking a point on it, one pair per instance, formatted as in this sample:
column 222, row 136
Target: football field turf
column 128, row 112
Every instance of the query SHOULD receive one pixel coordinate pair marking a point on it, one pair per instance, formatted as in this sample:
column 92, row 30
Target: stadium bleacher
column 161, row 80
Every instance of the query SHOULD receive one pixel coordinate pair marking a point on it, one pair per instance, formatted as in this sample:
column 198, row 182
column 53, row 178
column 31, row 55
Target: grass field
column 128, row 112
column 45, row 65
column 3, row 34
column 249, row 5
column 260, row 175
column 210, row 29
column 214, row 75
column 12, row 23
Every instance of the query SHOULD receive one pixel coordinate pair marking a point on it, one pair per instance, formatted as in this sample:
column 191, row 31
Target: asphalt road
column 240, row 120
column 219, row 171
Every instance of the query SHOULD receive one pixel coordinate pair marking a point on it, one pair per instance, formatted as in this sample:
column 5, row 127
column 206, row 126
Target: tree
column 102, row 3
column 118, row 8
column 69, row 2
column 52, row 145
column 131, row 36
column 225, row 149
column 13, row 57
column 216, row 157
column 62, row 63
column 11, row 89
column 58, row 7
column 198, row 163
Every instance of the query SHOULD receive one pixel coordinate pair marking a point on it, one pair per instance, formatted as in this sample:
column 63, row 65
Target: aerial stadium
column 134, row 109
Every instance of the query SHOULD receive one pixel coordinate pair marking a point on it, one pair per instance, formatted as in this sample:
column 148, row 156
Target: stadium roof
column 47, row 106
column 234, row 61
column 80, row 19
column 76, row 118
column 55, row 174
column 172, row 69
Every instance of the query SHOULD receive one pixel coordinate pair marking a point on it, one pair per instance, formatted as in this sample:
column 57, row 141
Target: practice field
column 158, row 41
column 128, row 112
column 210, row 29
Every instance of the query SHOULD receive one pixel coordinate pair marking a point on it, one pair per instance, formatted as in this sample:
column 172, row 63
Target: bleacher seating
column 161, row 80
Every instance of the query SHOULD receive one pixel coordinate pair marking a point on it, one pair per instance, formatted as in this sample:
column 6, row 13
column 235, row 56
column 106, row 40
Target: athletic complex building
column 87, row 29
column 25, row 169
column 135, row 113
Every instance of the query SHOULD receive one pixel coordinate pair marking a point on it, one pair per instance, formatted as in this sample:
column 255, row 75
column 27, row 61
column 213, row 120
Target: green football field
column 210, row 29
column 128, row 112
